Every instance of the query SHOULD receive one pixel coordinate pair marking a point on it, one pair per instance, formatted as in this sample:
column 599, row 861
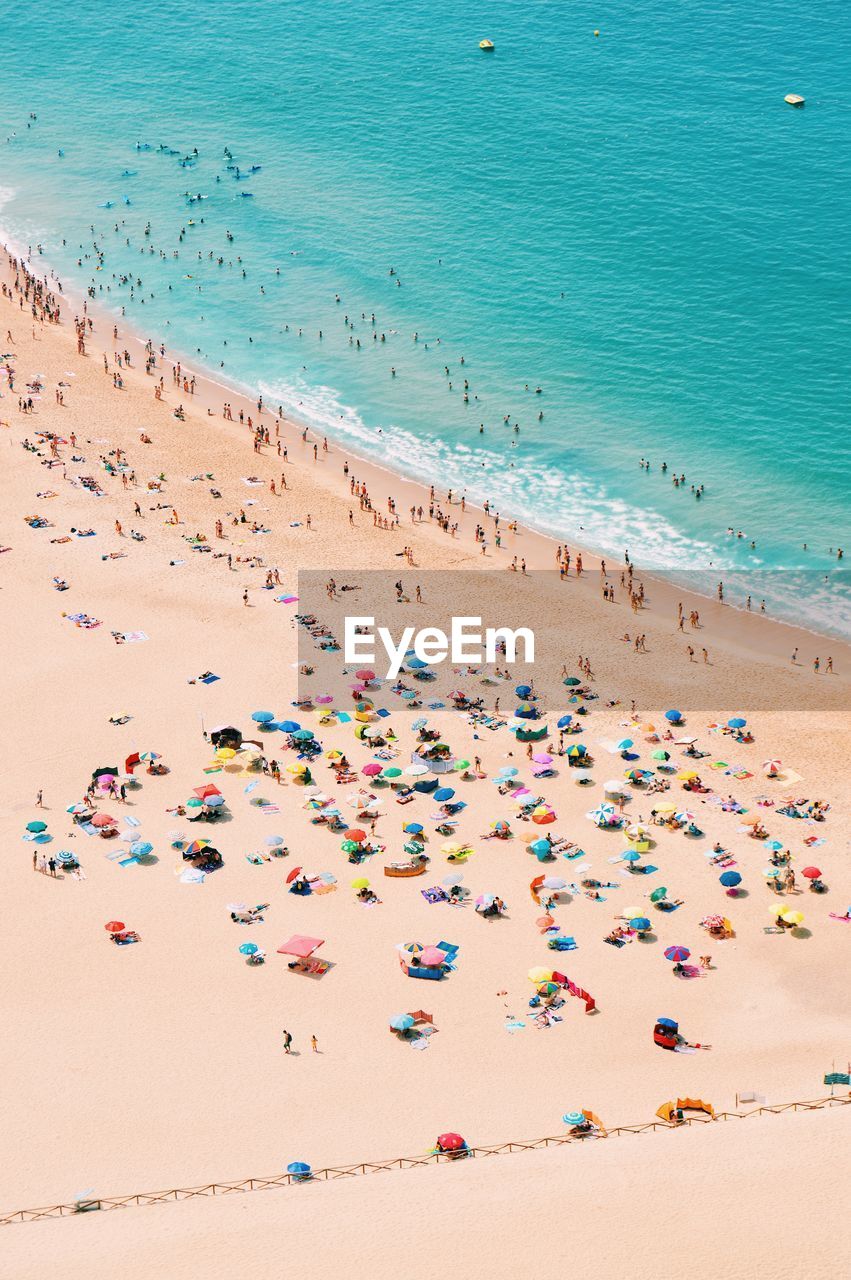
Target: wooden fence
column 385, row 1166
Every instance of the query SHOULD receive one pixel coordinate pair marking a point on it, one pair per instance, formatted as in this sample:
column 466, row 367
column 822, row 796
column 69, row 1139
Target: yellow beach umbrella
column 360, row 883
column 451, row 846
column 225, row 753
column 666, row 807
column 687, row 775
column 296, row 768
column 793, row 917
column 778, row 909
column 539, row 975
column 333, row 754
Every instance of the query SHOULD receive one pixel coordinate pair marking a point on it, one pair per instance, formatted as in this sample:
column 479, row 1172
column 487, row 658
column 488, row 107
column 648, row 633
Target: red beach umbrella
column 102, row 820
column 296, row 871
column 371, row 770
column 355, row 834
column 812, row 873
column 300, row 945
column 451, row 1142
column 115, row 926
column 207, row 790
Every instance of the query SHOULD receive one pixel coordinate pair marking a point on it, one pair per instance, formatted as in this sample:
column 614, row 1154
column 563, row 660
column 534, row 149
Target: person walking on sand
column 314, row 1044
column 39, row 799
column 51, row 862
column 288, row 1040
column 245, row 597
column 35, row 860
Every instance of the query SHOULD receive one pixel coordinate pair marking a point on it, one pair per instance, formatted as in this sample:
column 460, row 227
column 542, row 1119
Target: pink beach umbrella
column 371, row 770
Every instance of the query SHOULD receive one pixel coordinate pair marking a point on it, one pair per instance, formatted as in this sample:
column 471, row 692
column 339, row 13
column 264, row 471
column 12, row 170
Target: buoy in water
column 487, row 46
column 794, row 99
column 597, row 33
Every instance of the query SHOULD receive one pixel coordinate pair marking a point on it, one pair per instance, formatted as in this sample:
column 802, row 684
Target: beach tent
column 667, row 1109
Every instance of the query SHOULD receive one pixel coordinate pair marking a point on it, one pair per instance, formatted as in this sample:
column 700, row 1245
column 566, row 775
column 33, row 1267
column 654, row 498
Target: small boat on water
column 487, row 46
column 794, row 99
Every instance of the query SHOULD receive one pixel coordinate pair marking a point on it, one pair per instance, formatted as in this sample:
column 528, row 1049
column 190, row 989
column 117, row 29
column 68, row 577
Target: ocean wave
column 563, row 505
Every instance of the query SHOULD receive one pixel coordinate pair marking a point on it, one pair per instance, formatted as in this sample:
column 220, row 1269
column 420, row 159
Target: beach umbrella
column 658, row 894
column 115, row 926
column 274, row 842
column 573, row 1117
column 65, row 856
column 614, row 786
column 371, row 770
column 668, row 1022
column 730, row 879
column 196, row 847
column 563, row 722
column 452, row 880
column 214, row 802
column 365, row 674
column 677, row 954
column 543, row 818
column 443, row 794
column 540, row 846
column 778, row 908
column 37, row 827
column 554, row 882
column 484, row 900
column 673, row 716
column 289, row 726
column 324, row 700
column 360, row 883
column 349, row 846
column 451, row 1142
column 542, row 758
column 299, row 1169
column 248, row 949
column 300, row 945
column 77, row 808
column 413, row 828
column 263, row 717
column 661, row 755
column 416, row 664
column 545, row 922
column 640, row 924
column 416, row 770
column 625, row 744
column 451, row 848
column 771, row 767
column 539, row 975
column 355, row 833
column 432, row 956
column 631, row 855
column 684, row 815
column 571, row 682
column 460, row 765
column 141, row 848
column 793, row 917
column 303, row 735
column 391, row 772
column 686, row 775
column 500, row 825
column 712, row 922
column 208, row 789
column 666, row 807
column 811, row 873
column 415, row 948
column 771, row 873
column 102, row 820
column 401, row 1022
column 523, row 690
column 774, row 845
column 737, row 722
column 577, row 751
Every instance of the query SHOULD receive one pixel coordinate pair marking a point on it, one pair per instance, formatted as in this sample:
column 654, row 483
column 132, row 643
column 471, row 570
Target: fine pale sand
column 160, row 1065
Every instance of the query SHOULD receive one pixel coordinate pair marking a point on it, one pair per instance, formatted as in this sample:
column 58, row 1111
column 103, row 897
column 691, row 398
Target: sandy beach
column 161, row 1064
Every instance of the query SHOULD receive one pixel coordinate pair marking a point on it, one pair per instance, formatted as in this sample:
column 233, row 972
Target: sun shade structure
column 300, row 945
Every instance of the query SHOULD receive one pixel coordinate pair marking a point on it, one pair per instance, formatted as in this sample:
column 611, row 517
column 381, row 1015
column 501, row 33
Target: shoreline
column 385, row 480
column 536, row 547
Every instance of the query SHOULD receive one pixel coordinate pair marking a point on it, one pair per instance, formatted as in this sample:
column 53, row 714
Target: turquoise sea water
column 636, row 223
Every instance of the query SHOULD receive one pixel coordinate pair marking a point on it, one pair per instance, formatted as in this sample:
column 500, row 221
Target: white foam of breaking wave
column 564, row 505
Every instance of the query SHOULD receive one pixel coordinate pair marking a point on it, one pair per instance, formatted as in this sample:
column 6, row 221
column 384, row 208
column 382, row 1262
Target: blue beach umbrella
column 625, row 744
column 523, row 690
column 141, row 849
column 730, row 879
column 563, row 722
column 417, row 664
column 674, row 716
column 36, row 827
column 540, row 846
column 263, row 717
column 443, row 794
column 738, row 722
column 289, row 726
column 630, row 856
column 214, row 802
column 640, row 924
column 303, row 735
column 573, row 1117
column 248, row 948
column 299, row 1170
column 771, row 873
column 401, row 1022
